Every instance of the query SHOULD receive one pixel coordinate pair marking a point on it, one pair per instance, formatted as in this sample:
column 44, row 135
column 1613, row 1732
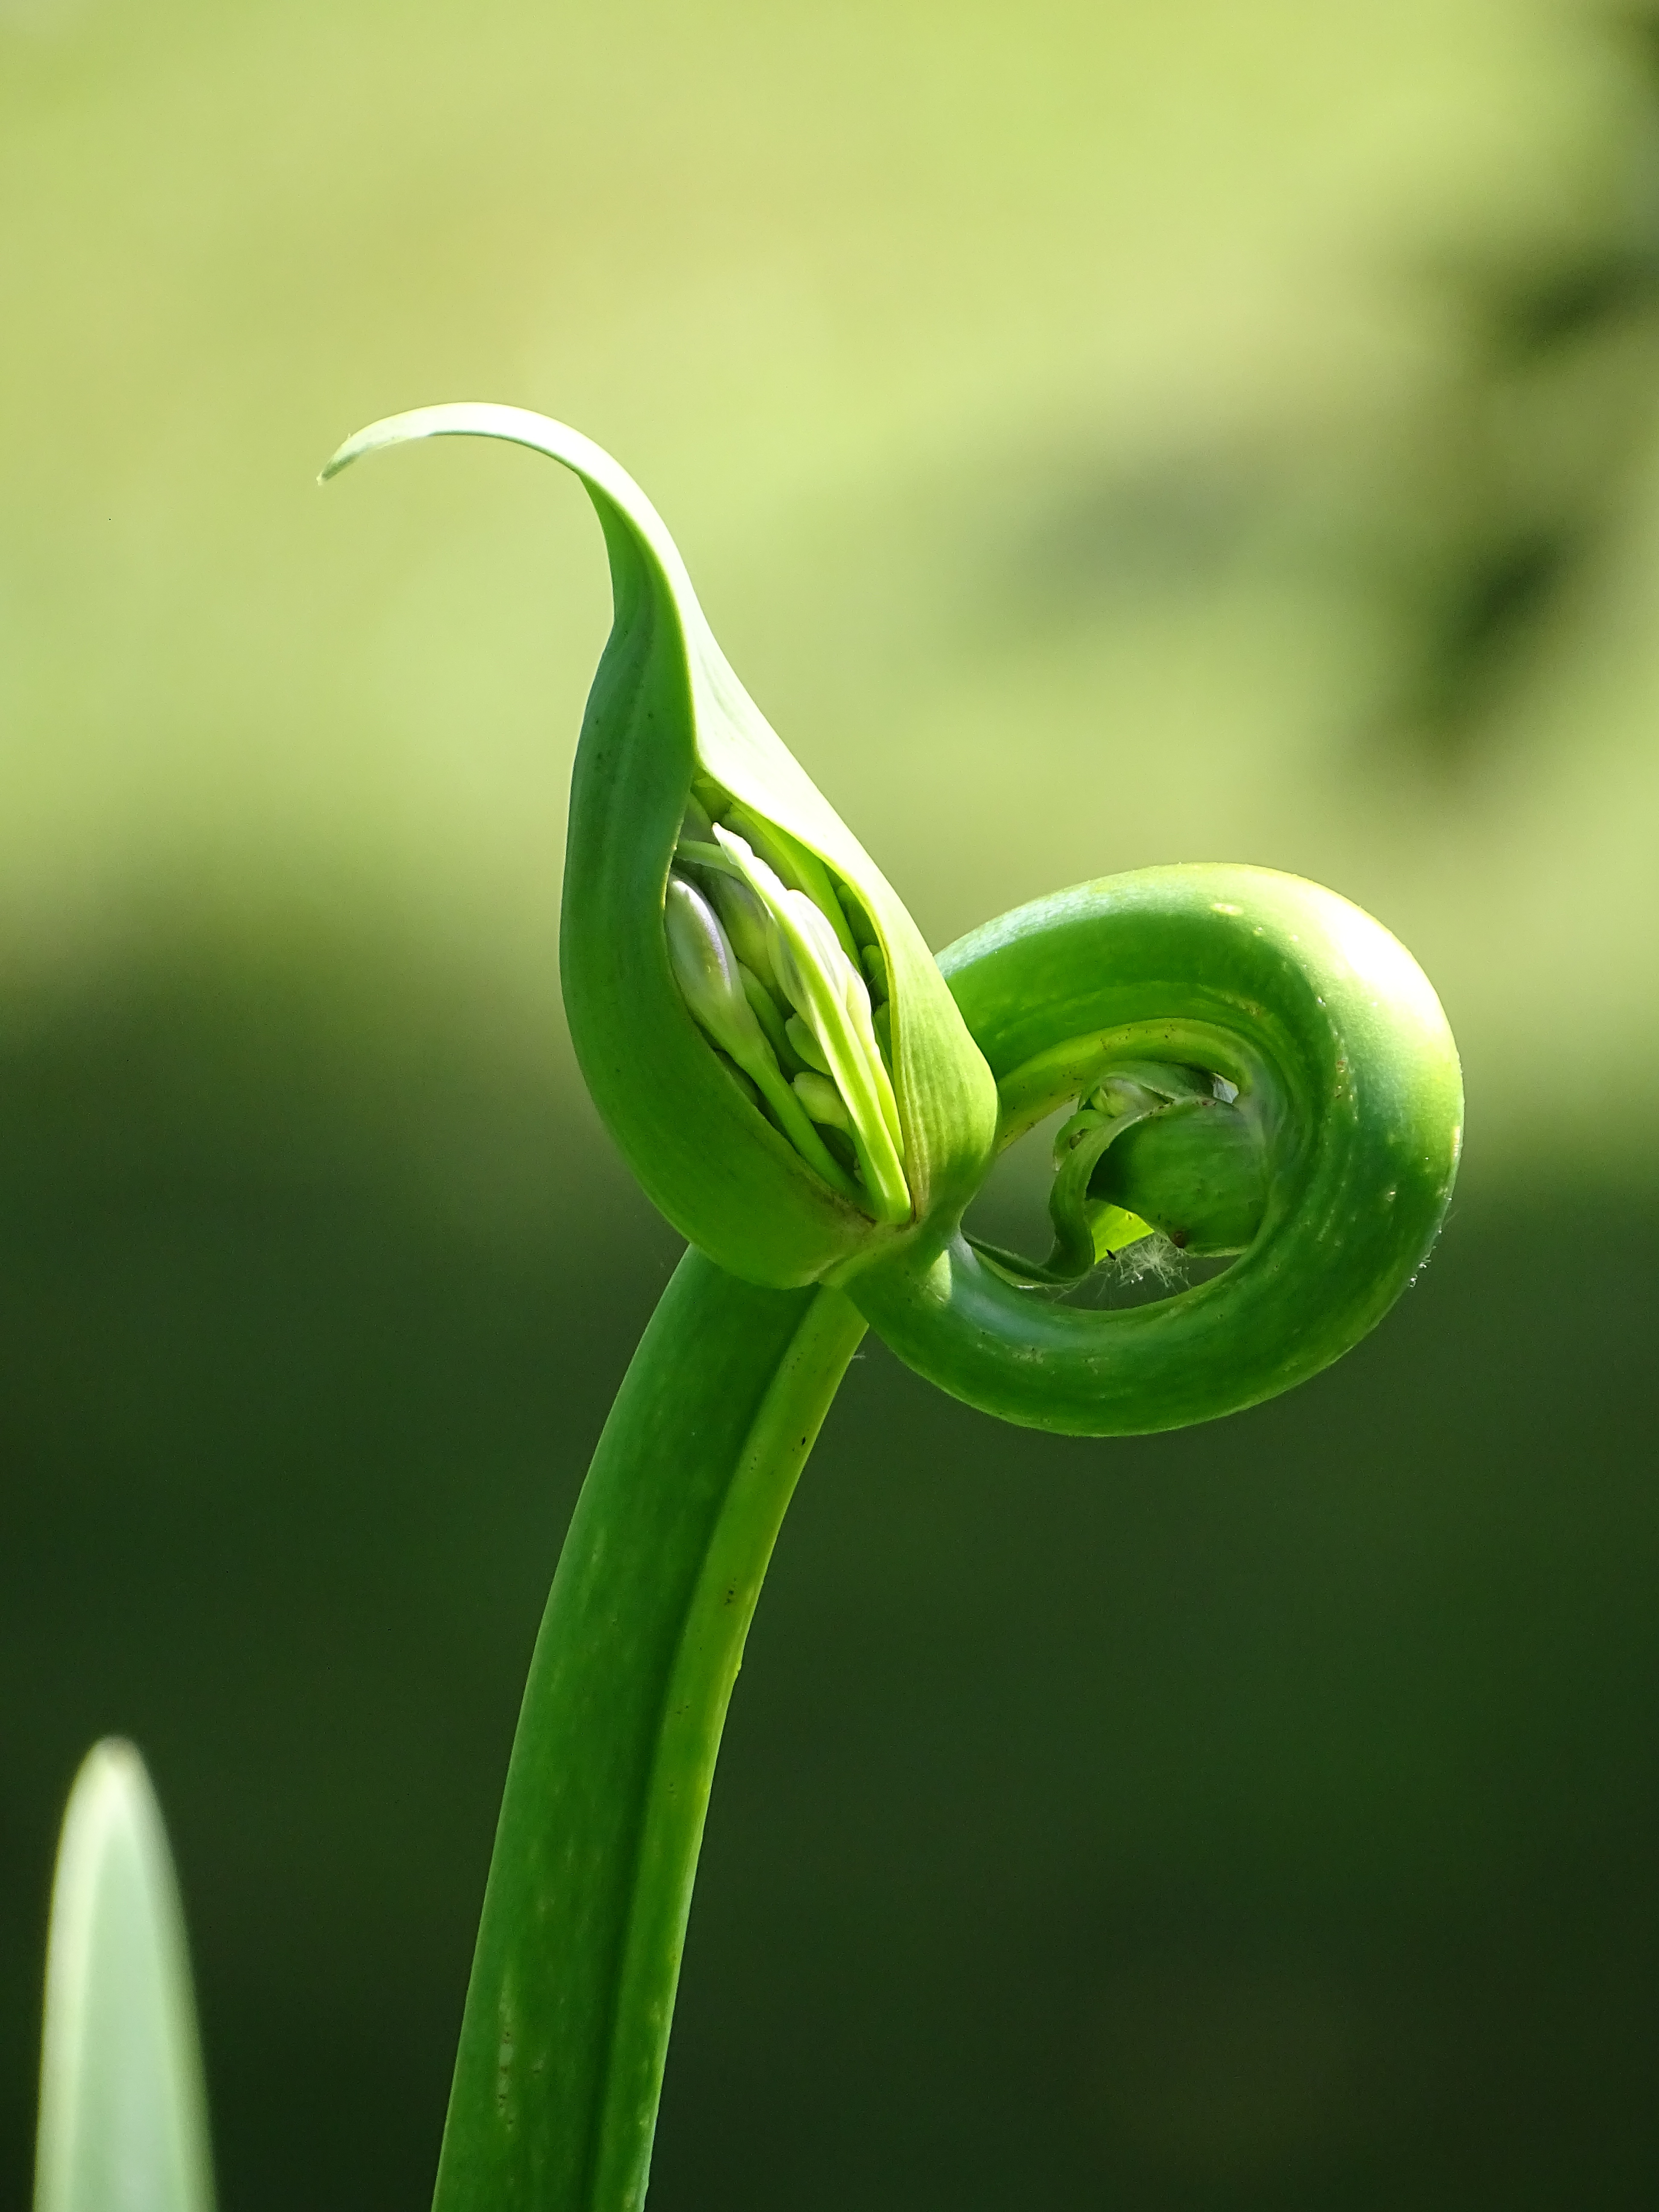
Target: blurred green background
column 1099, row 435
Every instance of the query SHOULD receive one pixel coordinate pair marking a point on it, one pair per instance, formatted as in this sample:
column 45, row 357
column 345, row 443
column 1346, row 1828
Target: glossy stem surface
column 561, row 2060
column 1332, row 1036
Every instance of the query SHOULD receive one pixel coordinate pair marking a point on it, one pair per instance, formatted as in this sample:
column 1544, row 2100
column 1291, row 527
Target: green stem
column 567, row 2012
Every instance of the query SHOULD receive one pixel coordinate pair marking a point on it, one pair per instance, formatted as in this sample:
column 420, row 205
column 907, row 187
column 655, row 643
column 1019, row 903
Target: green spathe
column 666, row 708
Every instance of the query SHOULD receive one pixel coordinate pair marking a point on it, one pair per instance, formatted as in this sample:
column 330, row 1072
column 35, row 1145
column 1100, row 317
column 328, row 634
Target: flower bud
column 832, row 1005
column 707, row 971
column 675, row 754
column 819, row 1096
column 711, row 982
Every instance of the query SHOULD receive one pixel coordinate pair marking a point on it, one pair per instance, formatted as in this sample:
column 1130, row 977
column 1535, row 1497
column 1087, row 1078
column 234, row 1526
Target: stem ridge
column 566, row 2026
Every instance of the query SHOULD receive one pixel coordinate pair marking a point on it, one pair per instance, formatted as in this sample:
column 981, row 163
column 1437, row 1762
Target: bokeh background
column 1101, row 435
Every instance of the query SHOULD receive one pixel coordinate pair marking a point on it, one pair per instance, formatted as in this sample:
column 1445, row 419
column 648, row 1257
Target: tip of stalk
column 360, row 441
column 479, row 419
column 398, row 430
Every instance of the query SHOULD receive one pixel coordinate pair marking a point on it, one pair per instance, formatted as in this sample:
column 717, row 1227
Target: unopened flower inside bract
column 761, row 1024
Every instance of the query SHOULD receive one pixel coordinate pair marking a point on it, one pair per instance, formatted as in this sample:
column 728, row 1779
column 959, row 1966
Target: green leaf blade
column 123, row 2108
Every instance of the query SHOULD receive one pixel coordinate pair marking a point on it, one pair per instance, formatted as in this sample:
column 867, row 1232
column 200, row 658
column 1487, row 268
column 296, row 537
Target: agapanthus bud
column 819, row 1096
column 675, row 755
column 711, row 982
column 706, row 970
column 831, row 998
column 743, row 919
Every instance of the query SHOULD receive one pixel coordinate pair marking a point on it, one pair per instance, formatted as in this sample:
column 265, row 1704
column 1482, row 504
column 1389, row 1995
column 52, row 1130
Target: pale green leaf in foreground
column 123, row 2110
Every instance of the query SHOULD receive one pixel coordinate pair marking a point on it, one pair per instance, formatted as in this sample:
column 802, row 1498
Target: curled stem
column 1327, row 1032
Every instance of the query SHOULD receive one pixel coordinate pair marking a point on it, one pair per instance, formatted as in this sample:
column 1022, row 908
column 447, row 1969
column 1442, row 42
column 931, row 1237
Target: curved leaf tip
column 522, row 426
